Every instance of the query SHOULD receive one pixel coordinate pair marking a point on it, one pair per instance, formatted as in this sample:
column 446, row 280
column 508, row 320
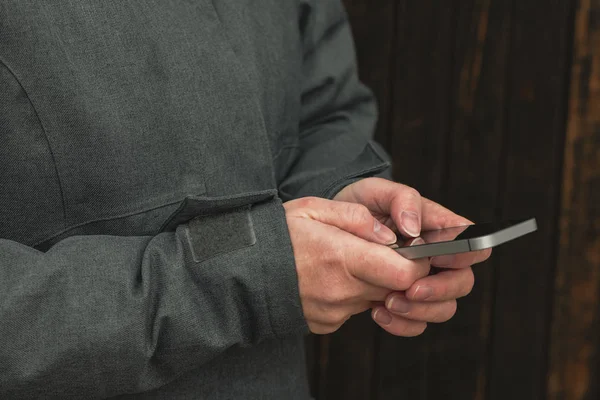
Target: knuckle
column 448, row 311
column 470, row 281
column 402, row 279
column 422, row 269
column 453, row 307
column 334, row 256
column 306, row 202
column 412, row 192
column 338, row 317
column 362, row 258
column 413, row 329
column 335, row 296
column 419, row 329
column 414, row 272
column 443, row 292
column 360, row 264
column 333, row 327
column 359, row 214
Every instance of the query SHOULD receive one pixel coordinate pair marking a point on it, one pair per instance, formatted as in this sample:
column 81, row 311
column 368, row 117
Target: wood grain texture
column 312, row 362
column 422, row 85
column 458, row 350
column 347, row 357
column 373, row 28
column 476, row 98
column 529, row 186
column 574, row 363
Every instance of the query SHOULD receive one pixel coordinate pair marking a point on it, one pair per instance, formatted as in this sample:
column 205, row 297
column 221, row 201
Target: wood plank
column 524, row 269
column 574, row 365
column 311, row 350
column 373, row 27
column 347, row 357
column 422, row 85
column 458, row 352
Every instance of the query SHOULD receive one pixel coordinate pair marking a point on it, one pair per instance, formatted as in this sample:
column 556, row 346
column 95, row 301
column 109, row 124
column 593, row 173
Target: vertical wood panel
column 373, row 27
column 530, row 186
column 422, row 85
column 312, row 363
column 347, row 357
column 458, row 352
column 422, row 82
column 575, row 341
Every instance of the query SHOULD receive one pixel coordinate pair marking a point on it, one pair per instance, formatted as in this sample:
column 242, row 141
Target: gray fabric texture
column 124, row 127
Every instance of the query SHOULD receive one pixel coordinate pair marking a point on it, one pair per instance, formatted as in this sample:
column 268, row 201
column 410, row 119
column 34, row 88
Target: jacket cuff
column 370, row 162
column 239, row 251
column 280, row 277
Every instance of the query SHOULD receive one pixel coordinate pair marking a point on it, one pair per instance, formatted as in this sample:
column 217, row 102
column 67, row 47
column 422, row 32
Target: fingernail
column 443, row 261
column 398, row 304
column 423, row 293
column 410, row 222
column 417, row 242
column 384, row 233
column 382, row 316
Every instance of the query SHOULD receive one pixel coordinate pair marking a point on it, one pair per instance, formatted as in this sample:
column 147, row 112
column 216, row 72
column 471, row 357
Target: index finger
column 436, row 218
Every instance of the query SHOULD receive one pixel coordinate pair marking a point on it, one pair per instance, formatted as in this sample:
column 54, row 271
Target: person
column 188, row 188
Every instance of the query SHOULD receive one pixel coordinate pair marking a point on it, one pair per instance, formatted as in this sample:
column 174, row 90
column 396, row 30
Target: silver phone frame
column 465, row 245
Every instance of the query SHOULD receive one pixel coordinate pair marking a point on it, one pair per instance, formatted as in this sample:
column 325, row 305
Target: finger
column 333, row 316
column 462, row 260
column 441, row 224
column 381, row 266
column 371, row 293
column 397, row 325
column 356, row 291
column 444, row 234
column 350, row 217
column 442, row 311
column 446, row 285
column 436, row 216
column 401, row 202
column 405, row 209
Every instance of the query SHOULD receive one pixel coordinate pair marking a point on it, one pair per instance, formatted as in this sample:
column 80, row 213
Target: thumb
column 350, row 217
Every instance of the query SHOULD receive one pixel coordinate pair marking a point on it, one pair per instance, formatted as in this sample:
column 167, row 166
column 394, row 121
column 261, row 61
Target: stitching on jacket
column 339, row 24
column 283, row 148
column 60, row 185
column 116, row 217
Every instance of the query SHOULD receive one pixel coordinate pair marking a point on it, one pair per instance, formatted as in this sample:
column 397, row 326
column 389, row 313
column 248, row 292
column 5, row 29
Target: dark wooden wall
column 491, row 107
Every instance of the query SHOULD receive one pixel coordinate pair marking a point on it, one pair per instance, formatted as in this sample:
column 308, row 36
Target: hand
column 342, row 263
column 432, row 298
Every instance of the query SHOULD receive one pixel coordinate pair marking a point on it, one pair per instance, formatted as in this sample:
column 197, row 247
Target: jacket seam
column 253, row 88
column 383, row 164
column 116, row 217
column 283, row 148
column 52, row 156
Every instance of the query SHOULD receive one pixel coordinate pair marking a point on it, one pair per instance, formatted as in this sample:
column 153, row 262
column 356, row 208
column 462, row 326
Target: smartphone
column 462, row 239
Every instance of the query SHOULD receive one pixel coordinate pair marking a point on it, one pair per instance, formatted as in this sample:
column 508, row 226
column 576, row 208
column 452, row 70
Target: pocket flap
column 195, row 206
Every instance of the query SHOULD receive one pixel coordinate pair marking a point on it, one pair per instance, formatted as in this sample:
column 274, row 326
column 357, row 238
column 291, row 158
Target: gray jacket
column 146, row 148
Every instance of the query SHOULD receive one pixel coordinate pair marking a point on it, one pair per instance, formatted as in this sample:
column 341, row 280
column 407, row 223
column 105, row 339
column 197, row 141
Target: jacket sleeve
column 97, row 316
column 339, row 113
